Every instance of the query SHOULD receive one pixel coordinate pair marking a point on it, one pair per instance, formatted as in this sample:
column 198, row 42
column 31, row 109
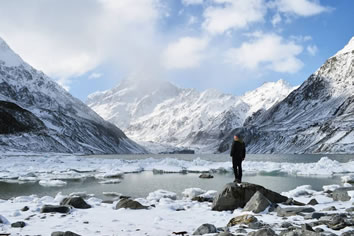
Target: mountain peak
column 348, row 48
column 9, row 57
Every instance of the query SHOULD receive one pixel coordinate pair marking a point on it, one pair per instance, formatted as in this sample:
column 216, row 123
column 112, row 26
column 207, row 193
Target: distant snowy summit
column 164, row 117
column 36, row 114
column 318, row 117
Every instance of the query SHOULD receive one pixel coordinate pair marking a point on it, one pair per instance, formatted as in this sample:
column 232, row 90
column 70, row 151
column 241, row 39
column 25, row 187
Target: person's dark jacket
column 238, row 150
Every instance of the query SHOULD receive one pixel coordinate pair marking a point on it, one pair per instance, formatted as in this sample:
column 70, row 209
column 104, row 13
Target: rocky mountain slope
column 162, row 116
column 318, row 117
column 39, row 115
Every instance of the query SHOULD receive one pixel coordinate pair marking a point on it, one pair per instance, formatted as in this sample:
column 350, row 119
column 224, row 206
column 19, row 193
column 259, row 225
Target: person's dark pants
column 237, row 165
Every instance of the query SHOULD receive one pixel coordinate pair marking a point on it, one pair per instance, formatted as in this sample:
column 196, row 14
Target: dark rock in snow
column 206, row 176
column 55, row 209
column 291, row 211
column 130, row 204
column 234, row 196
column 350, row 209
column 25, row 208
column 202, row 199
column 205, row 229
column 257, row 203
column 312, row 202
column 305, row 227
column 76, row 202
column 263, row 232
column 66, row 233
column 314, row 215
column 331, row 208
column 18, row 224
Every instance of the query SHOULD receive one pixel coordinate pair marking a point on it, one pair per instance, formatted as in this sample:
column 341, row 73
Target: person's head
column 236, row 137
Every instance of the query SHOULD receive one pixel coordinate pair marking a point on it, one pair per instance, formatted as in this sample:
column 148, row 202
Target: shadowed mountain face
column 318, row 117
column 38, row 115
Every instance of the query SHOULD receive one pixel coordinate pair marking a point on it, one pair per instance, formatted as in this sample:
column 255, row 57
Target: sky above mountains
column 231, row 45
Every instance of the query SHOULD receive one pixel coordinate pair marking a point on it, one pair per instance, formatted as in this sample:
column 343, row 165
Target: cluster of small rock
column 257, row 199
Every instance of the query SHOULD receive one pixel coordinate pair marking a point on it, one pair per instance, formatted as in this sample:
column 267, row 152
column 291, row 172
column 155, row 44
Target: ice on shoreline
column 70, row 167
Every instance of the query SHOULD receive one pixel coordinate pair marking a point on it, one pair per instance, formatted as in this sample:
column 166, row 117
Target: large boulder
column 257, row 203
column 341, row 194
column 130, row 204
column 76, row 202
column 237, row 195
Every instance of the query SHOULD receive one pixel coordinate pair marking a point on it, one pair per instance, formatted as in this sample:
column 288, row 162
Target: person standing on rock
column 238, row 154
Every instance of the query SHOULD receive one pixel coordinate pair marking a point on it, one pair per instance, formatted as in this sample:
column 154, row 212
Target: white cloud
column 268, row 50
column 187, row 52
column 68, row 38
column 276, row 19
column 95, row 75
column 192, row 2
column 300, row 7
column 312, row 49
column 233, row 14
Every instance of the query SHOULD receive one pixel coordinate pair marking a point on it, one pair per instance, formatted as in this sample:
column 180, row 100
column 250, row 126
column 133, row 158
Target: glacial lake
column 141, row 184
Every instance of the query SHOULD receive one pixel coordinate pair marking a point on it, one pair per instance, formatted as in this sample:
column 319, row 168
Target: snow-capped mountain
column 39, row 115
column 163, row 116
column 318, row 117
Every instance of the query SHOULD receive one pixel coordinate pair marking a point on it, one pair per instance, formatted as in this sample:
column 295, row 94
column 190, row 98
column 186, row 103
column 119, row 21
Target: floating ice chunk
column 46, row 199
column 158, row 194
column 110, row 174
column 52, row 183
column 59, row 197
column 110, row 181
column 171, row 204
column 94, row 201
column 300, row 191
column 192, row 192
column 211, row 194
column 347, row 185
column 25, row 198
column 351, row 194
column 81, row 194
column 112, row 194
column 330, row 187
column 348, row 179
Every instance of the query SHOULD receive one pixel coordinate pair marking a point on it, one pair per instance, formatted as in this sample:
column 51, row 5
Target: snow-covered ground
column 168, row 214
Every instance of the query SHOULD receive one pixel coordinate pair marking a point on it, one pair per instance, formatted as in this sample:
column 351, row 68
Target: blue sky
column 231, row 45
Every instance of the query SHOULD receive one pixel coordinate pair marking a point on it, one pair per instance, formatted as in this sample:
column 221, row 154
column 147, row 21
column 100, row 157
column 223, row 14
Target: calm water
column 140, row 184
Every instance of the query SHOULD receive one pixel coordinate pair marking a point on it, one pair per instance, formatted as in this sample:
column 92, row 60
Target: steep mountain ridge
column 180, row 118
column 318, row 117
column 69, row 125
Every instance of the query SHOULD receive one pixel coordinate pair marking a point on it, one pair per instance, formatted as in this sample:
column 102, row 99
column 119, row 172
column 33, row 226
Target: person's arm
column 243, row 151
column 232, row 149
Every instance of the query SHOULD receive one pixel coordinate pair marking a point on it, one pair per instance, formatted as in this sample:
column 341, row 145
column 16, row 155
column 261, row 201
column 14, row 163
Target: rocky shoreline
column 239, row 209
